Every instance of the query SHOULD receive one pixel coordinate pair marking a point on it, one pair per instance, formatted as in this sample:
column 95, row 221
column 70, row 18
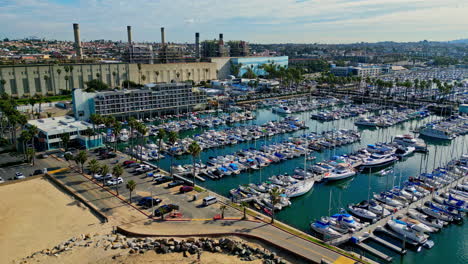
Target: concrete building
column 28, row 80
column 361, row 71
column 238, row 48
column 52, row 129
column 153, row 99
column 341, row 71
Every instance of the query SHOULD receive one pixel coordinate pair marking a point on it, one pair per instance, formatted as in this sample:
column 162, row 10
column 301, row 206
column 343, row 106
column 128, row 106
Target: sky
column 256, row 21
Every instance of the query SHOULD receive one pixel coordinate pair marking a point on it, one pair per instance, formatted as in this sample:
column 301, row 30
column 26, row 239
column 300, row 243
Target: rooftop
column 57, row 125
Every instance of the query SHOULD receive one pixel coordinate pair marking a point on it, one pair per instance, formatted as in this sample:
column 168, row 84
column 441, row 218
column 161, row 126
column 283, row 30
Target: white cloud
column 253, row 20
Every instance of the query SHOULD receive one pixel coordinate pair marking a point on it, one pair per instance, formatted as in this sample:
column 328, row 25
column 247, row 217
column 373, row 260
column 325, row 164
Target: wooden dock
column 374, row 251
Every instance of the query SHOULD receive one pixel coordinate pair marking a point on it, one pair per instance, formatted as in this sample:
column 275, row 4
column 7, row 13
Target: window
column 26, row 85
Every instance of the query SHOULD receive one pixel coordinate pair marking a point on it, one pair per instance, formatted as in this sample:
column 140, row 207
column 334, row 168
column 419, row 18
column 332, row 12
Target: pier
column 369, row 232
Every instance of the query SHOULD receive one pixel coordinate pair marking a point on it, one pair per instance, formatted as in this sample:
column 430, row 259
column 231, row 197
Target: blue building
column 256, row 62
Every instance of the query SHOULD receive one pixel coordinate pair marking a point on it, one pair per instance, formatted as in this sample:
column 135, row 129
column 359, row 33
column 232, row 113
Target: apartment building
column 151, row 100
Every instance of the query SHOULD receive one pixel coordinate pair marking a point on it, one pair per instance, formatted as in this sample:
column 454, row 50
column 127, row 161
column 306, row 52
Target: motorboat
column 374, row 207
column 426, row 219
column 406, row 231
column 325, row 229
column 341, row 171
column 347, row 220
column 402, row 152
column 378, row 160
column 417, row 225
column 281, row 109
column 362, row 213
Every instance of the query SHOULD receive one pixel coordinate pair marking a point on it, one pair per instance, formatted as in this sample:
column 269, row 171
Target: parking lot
column 145, row 187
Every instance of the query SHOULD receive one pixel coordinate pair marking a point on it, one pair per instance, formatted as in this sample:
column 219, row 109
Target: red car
column 185, row 189
column 128, row 162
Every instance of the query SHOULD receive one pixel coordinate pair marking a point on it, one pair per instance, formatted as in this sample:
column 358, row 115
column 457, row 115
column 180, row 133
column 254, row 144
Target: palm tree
column 157, row 75
column 33, row 131
column 104, row 169
column 117, row 128
column 25, row 137
column 132, row 123
column 244, row 206
column 117, row 171
column 39, row 100
column 94, row 166
column 131, row 185
column 96, row 120
column 222, row 208
column 194, row 150
column 68, row 157
column 115, row 79
column 30, row 152
column 32, row 101
column 59, row 71
column 173, row 136
column 81, row 158
column 143, row 78
column 275, row 198
column 66, row 82
column 139, row 73
column 65, row 140
column 161, row 135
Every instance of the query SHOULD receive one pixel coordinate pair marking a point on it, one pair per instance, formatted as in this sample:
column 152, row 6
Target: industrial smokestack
column 129, row 34
column 163, row 37
column 197, row 45
column 78, row 49
column 220, row 38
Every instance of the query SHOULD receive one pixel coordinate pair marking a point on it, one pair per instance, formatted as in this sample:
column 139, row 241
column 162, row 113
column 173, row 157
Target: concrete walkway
column 258, row 230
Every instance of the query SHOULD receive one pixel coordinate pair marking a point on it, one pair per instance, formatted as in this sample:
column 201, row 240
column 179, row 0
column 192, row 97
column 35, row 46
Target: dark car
column 128, row 162
column 148, row 202
column 163, row 179
column 131, row 165
column 175, row 183
column 185, row 189
column 38, row 172
column 164, row 209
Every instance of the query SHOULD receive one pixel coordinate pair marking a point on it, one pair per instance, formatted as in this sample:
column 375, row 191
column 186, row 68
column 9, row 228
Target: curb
column 77, row 196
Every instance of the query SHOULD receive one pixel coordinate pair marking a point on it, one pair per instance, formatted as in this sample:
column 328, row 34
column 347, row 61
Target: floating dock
column 388, row 244
column 374, row 251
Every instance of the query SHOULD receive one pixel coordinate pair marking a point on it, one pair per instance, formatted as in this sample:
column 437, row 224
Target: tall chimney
column 78, row 49
column 221, row 42
column 197, row 45
column 163, row 37
column 129, row 34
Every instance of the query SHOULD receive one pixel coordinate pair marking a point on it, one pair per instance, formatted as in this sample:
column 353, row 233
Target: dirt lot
column 36, row 215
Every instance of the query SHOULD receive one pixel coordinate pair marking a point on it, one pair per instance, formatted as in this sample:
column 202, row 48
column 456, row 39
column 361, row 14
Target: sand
column 35, row 215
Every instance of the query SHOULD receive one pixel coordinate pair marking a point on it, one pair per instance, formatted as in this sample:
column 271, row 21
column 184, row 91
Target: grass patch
column 199, row 189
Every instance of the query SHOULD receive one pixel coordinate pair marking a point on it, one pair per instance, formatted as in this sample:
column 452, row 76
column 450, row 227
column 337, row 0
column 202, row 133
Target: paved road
column 137, row 222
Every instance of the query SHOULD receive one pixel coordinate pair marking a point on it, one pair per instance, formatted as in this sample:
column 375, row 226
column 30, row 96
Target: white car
column 97, row 176
column 2, row 180
column 19, row 176
column 114, row 181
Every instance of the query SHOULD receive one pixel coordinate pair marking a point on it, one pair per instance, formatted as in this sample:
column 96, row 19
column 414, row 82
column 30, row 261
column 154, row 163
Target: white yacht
column 341, row 171
column 436, row 132
column 281, row 109
column 410, row 141
column 403, row 229
column 363, row 213
column 377, row 160
column 363, row 121
column 124, row 135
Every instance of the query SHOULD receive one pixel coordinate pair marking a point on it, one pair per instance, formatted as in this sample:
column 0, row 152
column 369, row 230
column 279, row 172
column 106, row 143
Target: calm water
column 451, row 245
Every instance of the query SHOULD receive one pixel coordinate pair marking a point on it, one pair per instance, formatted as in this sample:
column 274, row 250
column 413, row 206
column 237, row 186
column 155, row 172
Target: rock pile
column 163, row 246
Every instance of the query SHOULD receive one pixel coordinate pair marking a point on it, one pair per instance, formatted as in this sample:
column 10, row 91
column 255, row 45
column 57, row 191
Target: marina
column 353, row 189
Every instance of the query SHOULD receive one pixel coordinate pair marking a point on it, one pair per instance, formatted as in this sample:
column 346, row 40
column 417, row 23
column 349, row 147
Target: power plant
column 78, row 48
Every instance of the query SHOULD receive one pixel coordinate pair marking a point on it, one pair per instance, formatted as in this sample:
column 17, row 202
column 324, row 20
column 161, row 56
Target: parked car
column 2, row 180
column 186, row 188
column 175, row 183
column 148, row 202
column 97, row 176
column 128, row 162
column 114, row 181
column 164, row 209
column 43, row 156
column 19, row 176
column 38, row 172
column 163, row 179
column 132, row 165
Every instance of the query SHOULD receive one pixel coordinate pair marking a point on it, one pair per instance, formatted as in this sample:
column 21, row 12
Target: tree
column 131, row 185
column 139, row 73
column 250, row 74
column 160, row 136
column 3, row 82
column 104, row 169
column 222, row 208
column 39, row 100
column 173, row 136
column 94, row 166
column 194, row 150
column 143, row 78
column 96, row 85
column 115, row 79
column 68, row 157
column 33, row 131
column 25, row 137
column 32, row 101
column 117, row 171
column 30, row 152
column 244, row 206
column 81, row 158
column 129, row 84
column 66, row 82
column 59, row 71
column 65, row 137
column 117, row 128
column 275, row 198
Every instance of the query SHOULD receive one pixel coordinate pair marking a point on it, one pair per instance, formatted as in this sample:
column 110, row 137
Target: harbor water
column 451, row 244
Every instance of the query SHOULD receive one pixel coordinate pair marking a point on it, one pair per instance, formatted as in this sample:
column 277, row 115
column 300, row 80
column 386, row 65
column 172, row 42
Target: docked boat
column 300, row 188
column 404, row 230
column 282, row 109
column 324, row 229
column 378, row 160
column 341, row 171
column 362, row 213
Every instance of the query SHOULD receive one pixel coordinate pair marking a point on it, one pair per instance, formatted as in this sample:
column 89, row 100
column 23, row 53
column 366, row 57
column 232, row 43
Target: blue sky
column 257, row 21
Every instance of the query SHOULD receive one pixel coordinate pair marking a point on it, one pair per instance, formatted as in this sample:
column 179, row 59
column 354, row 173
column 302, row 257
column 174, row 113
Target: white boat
column 417, row 225
column 435, row 132
column 365, row 122
column 363, row 213
column 124, row 135
column 404, row 151
column 403, row 229
column 299, row 188
column 347, row 220
column 324, row 229
column 426, row 219
column 377, row 160
column 281, row 109
column 341, row 171
column 409, row 141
